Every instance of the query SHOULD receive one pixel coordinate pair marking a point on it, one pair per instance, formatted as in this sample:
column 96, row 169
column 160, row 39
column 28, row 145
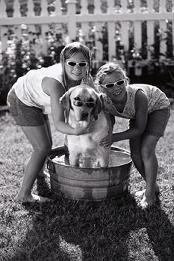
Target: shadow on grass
column 108, row 230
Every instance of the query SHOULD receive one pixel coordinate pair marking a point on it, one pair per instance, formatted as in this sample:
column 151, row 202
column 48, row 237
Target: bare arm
column 55, row 90
column 141, row 108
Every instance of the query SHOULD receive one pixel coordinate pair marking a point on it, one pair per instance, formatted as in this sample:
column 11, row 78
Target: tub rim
column 61, row 150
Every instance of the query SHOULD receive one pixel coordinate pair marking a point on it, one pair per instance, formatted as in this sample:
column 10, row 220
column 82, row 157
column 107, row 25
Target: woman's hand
column 106, row 142
column 81, row 128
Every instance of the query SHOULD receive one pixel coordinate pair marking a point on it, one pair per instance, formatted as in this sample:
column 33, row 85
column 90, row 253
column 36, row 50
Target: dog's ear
column 65, row 99
column 98, row 107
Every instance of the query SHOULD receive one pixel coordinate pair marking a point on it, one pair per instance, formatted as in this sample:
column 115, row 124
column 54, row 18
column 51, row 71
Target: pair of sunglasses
column 80, row 64
column 80, row 104
column 112, row 84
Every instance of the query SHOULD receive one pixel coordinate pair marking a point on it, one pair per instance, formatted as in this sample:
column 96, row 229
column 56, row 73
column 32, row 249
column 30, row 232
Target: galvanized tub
column 90, row 183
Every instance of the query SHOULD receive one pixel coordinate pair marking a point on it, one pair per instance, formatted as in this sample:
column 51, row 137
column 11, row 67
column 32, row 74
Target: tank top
column 28, row 87
column 157, row 100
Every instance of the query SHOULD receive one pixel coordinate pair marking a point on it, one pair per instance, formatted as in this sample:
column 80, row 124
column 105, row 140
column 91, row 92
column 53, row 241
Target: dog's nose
column 84, row 116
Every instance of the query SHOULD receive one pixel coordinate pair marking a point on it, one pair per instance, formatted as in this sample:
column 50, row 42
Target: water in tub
column 117, row 158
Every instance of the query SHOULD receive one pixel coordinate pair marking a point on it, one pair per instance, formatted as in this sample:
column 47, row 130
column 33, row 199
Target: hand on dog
column 81, row 129
column 106, row 142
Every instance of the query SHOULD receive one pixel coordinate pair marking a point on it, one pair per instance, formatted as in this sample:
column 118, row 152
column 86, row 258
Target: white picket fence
column 86, row 24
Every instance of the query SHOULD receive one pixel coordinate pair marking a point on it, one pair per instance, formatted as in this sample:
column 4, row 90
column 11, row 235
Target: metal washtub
column 90, row 183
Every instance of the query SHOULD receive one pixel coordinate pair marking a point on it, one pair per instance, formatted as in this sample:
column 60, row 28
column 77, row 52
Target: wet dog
column 83, row 105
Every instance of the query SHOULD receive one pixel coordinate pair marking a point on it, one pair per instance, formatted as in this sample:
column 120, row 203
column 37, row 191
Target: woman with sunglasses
column 37, row 94
column 148, row 109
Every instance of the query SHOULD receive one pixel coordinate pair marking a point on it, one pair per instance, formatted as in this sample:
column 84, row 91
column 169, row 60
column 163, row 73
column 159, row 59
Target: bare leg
column 48, row 129
column 136, row 154
column 151, row 167
column 40, row 141
column 135, row 147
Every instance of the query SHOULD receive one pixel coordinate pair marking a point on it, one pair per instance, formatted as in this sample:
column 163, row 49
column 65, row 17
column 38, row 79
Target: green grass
column 70, row 230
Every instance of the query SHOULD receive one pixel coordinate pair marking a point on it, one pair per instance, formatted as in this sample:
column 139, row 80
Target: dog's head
column 84, row 102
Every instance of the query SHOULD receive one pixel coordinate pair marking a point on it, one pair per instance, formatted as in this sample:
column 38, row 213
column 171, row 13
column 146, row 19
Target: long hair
column 71, row 49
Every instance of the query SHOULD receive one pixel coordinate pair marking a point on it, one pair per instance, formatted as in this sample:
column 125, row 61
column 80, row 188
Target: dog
column 83, row 106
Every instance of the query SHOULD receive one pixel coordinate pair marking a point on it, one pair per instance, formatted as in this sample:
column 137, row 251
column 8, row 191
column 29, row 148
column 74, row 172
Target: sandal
column 146, row 203
column 140, row 193
column 35, row 199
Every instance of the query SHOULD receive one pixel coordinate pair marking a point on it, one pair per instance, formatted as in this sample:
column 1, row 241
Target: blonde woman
column 148, row 109
column 37, row 94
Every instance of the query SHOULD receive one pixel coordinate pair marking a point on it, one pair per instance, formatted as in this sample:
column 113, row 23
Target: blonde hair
column 107, row 69
column 71, row 49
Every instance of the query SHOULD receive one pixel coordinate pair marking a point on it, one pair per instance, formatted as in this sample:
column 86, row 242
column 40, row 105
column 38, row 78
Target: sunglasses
column 112, row 84
column 81, row 64
column 80, row 104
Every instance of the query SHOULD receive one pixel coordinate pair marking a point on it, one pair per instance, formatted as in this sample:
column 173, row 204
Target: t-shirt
column 28, row 87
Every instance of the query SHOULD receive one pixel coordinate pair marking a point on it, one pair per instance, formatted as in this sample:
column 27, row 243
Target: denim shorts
column 25, row 115
column 156, row 122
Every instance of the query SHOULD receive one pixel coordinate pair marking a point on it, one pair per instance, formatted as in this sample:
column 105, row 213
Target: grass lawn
column 83, row 231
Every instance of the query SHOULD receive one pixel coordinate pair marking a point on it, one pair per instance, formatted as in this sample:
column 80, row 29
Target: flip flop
column 144, row 204
column 140, row 193
column 35, row 199
column 40, row 199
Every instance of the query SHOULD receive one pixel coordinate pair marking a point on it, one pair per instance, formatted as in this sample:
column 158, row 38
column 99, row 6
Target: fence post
column 4, row 38
column 125, row 34
column 163, row 27
column 150, row 6
column 30, row 8
column 16, row 7
column 44, row 10
column 58, row 7
column 111, row 40
column 84, row 7
column 150, row 38
column 3, row 9
column 71, row 7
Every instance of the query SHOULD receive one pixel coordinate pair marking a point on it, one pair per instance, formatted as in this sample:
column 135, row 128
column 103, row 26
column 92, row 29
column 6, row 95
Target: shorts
column 25, row 115
column 156, row 122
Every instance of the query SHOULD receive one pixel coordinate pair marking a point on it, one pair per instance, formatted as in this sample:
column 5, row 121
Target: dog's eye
column 77, row 98
column 90, row 104
column 90, row 100
column 77, row 103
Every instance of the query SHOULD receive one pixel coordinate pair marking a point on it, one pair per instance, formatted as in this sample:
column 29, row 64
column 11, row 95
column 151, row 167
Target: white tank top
column 28, row 88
